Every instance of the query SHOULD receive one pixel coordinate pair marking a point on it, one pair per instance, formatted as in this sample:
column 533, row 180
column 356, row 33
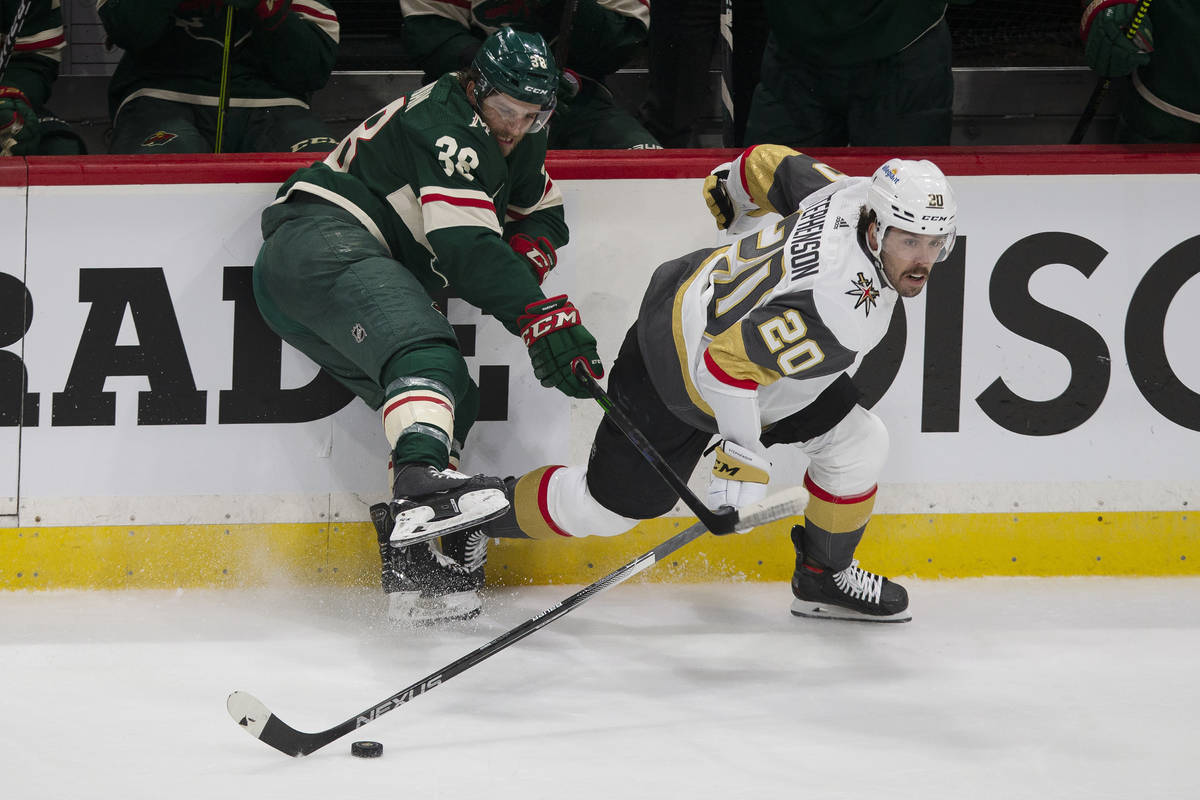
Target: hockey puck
column 366, row 749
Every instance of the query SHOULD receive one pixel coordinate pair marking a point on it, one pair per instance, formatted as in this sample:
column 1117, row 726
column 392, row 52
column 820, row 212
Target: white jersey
column 741, row 336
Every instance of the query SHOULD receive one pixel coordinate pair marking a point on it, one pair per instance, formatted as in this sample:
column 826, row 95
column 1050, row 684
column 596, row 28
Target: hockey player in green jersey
column 26, row 127
column 752, row 343
column 444, row 189
column 164, row 93
column 856, row 72
column 603, row 36
column 1163, row 103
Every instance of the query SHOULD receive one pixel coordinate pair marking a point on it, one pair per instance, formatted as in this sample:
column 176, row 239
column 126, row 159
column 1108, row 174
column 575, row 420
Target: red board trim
column 614, row 164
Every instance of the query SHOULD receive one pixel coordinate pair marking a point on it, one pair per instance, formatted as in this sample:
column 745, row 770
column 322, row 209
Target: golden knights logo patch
column 864, row 289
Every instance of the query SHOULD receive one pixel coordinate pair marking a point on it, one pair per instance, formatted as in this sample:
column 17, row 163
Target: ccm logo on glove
column 736, row 464
column 556, row 340
column 535, row 327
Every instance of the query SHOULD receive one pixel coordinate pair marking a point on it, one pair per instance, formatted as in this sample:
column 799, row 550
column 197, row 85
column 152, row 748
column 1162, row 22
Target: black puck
column 366, row 749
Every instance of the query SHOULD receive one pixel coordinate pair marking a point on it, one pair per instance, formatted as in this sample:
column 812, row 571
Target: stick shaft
column 717, row 522
column 223, row 92
column 562, row 45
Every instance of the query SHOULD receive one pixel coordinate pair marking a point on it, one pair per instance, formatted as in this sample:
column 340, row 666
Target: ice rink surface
column 999, row 688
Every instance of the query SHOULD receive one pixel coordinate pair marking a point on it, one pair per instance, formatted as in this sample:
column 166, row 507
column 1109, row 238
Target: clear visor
column 918, row 247
column 515, row 116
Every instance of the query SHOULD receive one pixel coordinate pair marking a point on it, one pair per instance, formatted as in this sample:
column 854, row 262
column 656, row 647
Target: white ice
column 999, row 688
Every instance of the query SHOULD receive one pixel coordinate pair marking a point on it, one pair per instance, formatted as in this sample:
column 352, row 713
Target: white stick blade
column 248, row 712
column 788, row 503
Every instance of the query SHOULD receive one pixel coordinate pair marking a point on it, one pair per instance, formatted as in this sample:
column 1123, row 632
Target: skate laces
column 444, row 561
column 475, row 552
column 858, row 583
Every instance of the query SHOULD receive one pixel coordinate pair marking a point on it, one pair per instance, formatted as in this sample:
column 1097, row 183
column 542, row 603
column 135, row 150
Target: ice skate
column 849, row 594
column 428, row 502
column 424, row 586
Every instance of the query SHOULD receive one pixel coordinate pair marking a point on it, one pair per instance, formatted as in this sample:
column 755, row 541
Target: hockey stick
column 725, row 31
column 258, row 720
column 722, row 521
column 1085, row 119
column 10, row 41
column 223, row 92
column 562, row 45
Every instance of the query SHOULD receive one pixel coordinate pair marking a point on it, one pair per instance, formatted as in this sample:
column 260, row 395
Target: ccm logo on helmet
column 933, row 218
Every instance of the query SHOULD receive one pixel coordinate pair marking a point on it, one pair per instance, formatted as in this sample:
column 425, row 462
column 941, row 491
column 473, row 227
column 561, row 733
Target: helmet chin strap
column 877, row 253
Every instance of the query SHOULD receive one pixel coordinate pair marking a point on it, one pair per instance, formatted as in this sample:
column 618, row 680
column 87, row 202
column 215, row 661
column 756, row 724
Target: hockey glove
column 551, row 330
column 19, row 126
column 569, row 84
column 739, row 476
column 717, row 197
column 1109, row 50
column 539, row 252
column 723, row 206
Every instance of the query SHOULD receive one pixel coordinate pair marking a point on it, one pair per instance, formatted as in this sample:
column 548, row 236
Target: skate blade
column 811, row 610
column 420, row 524
column 410, row 608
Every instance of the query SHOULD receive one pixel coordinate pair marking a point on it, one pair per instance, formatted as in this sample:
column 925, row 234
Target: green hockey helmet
column 519, row 65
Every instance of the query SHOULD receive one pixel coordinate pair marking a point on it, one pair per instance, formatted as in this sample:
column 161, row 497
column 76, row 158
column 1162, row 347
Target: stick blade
column 257, row 720
column 788, row 503
column 248, row 712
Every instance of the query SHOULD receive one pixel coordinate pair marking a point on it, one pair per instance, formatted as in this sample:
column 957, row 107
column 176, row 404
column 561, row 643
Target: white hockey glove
column 739, row 476
column 730, row 206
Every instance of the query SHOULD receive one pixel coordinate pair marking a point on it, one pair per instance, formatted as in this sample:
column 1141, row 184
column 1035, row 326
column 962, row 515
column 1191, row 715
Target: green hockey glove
column 551, row 330
column 20, row 129
column 1109, row 50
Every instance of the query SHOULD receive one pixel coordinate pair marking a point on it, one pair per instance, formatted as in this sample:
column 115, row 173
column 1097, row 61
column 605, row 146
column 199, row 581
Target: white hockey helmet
column 913, row 196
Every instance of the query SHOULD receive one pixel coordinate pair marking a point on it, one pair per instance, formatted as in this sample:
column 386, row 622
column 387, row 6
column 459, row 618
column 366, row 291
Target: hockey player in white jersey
column 752, row 343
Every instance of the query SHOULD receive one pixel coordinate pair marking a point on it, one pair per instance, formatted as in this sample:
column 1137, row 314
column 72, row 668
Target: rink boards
column 1041, row 396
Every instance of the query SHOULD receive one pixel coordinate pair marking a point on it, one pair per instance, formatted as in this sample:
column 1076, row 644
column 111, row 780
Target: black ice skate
column 428, row 502
column 424, row 586
column 851, row 594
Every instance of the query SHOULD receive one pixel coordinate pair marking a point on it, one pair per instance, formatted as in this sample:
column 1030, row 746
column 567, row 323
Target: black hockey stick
column 720, row 522
column 1085, row 119
column 258, row 720
column 562, row 45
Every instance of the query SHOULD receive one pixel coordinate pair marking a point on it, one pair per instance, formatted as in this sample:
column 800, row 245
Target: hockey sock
column 418, row 417
column 834, row 525
column 554, row 501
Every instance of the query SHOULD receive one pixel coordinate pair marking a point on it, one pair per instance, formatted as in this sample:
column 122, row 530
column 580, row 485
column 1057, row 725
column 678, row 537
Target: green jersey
column 605, row 34
column 37, row 51
column 174, row 50
column 425, row 176
column 1175, row 65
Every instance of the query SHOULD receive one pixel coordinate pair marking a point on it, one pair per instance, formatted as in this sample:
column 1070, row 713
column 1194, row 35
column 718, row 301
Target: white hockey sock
column 574, row 510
